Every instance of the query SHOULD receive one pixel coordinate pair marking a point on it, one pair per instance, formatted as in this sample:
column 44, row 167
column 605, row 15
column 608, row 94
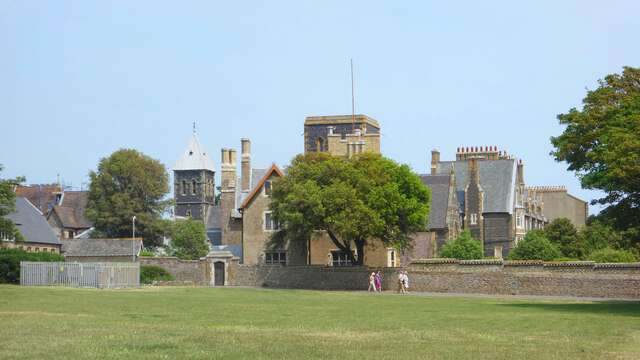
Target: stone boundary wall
column 498, row 277
column 491, row 277
column 182, row 270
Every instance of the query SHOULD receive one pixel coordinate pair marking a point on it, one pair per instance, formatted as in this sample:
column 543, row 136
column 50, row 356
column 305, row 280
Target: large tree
column 126, row 184
column 354, row 200
column 8, row 206
column 188, row 239
column 601, row 143
column 564, row 235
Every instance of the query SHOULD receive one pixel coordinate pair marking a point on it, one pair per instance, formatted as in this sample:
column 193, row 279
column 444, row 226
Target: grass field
column 226, row 323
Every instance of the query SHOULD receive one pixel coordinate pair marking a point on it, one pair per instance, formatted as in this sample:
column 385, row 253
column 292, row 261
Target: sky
column 82, row 79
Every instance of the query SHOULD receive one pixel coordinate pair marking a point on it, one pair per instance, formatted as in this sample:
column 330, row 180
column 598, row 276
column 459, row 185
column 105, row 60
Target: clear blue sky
column 81, row 79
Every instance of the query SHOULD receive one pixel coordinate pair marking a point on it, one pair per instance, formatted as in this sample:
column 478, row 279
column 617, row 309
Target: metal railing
column 102, row 275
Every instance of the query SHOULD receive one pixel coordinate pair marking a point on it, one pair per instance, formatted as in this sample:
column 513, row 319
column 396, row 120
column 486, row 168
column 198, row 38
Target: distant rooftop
column 341, row 119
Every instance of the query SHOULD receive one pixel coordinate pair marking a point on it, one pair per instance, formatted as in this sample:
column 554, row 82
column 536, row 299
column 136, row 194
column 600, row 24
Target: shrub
column 10, row 263
column 534, row 246
column 566, row 259
column 151, row 273
column 462, row 248
column 609, row 255
column 147, row 253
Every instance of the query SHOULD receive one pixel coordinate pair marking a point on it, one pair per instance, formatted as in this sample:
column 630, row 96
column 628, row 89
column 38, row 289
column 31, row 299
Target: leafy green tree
column 126, row 184
column 598, row 235
column 189, row 239
column 609, row 255
column 601, row 144
column 8, row 206
column 354, row 200
column 534, row 246
column 562, row 233
column 462, row 248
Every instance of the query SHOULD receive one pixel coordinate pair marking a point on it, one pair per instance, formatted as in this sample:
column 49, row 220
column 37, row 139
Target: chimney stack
column 435, row 159
column 246, row 165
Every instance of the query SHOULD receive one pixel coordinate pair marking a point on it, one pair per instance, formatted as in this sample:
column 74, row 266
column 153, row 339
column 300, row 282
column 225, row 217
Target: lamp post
column 133, row 245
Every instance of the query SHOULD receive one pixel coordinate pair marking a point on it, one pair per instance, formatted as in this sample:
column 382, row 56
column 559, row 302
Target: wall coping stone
column 435, row 261
column 618, row 265
column 569, row 263
column 522, row 263
column 481, row 262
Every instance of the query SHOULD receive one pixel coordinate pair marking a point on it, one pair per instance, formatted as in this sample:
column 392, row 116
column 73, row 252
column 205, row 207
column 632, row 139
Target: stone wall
column 182, row 270
column 493, row 277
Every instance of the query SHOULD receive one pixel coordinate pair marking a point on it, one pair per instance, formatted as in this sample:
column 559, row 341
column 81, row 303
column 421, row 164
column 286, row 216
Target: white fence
column 102, row 275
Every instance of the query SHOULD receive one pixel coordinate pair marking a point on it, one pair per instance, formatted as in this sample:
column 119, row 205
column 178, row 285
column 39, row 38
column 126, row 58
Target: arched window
column 184, row 187
column 320, row 144
column 193, row 186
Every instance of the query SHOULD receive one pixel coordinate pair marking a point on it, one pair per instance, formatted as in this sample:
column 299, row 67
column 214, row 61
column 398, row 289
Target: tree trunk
column 346, row 249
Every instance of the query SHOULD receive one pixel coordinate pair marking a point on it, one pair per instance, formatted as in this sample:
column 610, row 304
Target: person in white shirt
column 401, row 283
column 372, row 282
column 406, row 282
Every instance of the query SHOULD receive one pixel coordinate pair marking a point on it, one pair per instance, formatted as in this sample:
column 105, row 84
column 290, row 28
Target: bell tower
column 194, row 181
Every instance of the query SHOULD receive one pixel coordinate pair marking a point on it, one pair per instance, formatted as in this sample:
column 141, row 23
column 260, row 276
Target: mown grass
column 226, row 323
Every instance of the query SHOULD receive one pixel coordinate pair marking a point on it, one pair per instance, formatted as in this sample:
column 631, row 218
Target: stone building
column 494, row 205
column 69, row 219
column 343, row 135
column 31, row 223
column 194, row 182
column 96, row 250
column 558, row 203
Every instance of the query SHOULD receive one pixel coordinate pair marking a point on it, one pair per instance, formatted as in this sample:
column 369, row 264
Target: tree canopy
column 534, row 246
column 8, row 206
column 354, row 200
column 188, row 239
column 564, row 235
column 463, row 248
column 126, row 184
column 601, row 144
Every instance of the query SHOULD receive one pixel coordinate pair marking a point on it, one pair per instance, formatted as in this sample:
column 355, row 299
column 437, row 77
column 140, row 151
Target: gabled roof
column 439, row 185
column 258, row 186
column 194, row 157
column 214, row 220
column 32, row 224
column 72, row 212
column 100, row 247
column 42, row 197
column 497, row 179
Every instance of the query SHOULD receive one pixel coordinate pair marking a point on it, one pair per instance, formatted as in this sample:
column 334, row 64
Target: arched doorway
column 218, row 271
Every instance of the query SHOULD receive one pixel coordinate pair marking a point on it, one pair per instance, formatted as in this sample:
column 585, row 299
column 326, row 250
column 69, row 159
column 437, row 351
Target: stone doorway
column 218, row 271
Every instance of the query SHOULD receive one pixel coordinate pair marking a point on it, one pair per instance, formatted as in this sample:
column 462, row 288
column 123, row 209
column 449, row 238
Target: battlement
column 560, row 188
column 483, row 152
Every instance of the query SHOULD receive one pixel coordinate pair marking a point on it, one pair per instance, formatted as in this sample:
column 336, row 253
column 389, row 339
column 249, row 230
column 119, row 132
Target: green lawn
column 202, row 322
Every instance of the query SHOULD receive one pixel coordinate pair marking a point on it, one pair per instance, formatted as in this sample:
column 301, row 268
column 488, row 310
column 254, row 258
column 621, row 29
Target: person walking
column 401, row 283
column 372, row 282
column 406, row 282
column 378, row 281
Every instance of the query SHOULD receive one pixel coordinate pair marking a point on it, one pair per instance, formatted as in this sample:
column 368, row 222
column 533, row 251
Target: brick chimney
column 246, row 165
column 435, row 159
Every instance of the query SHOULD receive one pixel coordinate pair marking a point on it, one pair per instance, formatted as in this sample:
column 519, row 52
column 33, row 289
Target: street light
column 133, row 244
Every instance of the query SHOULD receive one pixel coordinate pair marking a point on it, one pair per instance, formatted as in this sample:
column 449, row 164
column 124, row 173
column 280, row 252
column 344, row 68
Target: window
column 269, row 223
column 37, row 249
column 338, row 258
column 53, row 251
column 320, row 145
column 519, row 220
column 71, row 234
column 392, row 258
column 28, row 248
column 183, row 184
column 188, row 213
column 267, row 188
column 275, row 258
column 193, row 186
column 474, row 219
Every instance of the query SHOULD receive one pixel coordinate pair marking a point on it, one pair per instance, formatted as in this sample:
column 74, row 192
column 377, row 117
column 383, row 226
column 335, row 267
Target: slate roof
column 257, row 174
column 72, row 211
column 214, row 221
column 43, row 197
column 497, row 180
column 194, row 157
column 439, row 185
column 32, row 224
column 100, row 247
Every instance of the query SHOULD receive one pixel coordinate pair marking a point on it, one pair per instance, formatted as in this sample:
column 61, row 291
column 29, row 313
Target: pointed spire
column 194, row 156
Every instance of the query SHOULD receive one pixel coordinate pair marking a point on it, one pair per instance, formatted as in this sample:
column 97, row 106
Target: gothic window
column 320, row 144
column 474, row 219
column 193, row 187
column 183, row 186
